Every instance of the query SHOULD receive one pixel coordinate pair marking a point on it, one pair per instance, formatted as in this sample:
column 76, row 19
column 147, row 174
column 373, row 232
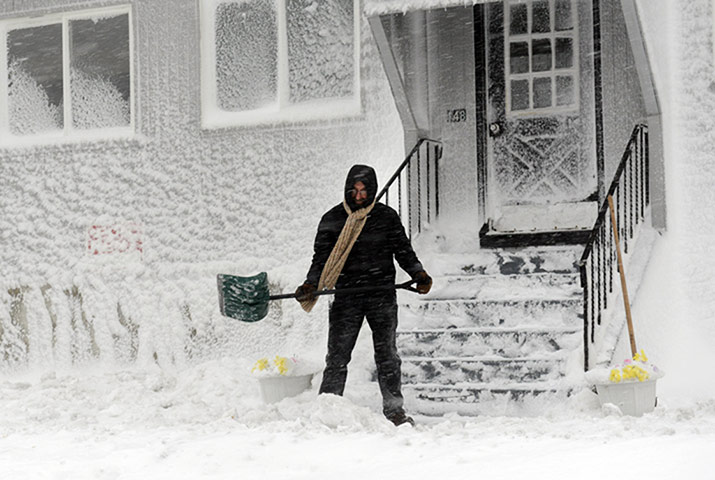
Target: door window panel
column 541, row 18
column 563, row 15
column 564, row 53
column 519, row 94
column 519, row 57
column 565, row 94
column 542, row 92
column 542, row 67
column 519, row 19
column 541, row 55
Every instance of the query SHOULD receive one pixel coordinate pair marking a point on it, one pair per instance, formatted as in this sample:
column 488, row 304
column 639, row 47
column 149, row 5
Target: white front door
column 541, row 175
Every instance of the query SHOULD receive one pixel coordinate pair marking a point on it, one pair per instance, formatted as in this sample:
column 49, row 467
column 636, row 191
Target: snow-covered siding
column 238, row 200
column 623, row 106
column 452, row 86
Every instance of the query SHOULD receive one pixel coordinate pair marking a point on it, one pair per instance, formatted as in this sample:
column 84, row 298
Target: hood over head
column 366, row 175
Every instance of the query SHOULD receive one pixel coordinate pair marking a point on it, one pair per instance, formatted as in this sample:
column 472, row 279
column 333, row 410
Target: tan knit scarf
column 334, row 265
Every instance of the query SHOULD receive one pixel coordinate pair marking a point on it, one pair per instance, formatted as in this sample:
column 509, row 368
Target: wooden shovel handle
column 626, row 301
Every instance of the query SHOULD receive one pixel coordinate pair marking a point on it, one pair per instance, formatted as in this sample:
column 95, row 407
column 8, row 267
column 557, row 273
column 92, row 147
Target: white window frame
column 68, row 132
column 283, row 112
column 552, row 73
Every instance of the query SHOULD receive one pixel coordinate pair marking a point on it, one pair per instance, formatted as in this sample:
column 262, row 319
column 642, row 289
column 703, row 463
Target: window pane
column 99, row 66
column 519, row 94
column 542, row 92
column 541, row 51
column 35, row 79
column 246, row 55
column 517, row 23
column 564, row 20
column 565, row 94
column 564, row 53
column 320, row 49
column 541, row 22
column 519, row 57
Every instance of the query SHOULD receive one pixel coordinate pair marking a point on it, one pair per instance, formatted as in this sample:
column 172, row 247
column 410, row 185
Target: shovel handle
column 404, row 286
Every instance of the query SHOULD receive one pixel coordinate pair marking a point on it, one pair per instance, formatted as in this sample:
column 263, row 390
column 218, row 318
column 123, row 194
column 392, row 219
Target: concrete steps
column 498, row 326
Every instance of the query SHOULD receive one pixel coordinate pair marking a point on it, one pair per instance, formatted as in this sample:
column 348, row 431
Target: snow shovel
column 246, row 298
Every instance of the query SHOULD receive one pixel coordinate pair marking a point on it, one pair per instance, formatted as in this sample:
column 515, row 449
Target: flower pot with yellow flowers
column 281, row 377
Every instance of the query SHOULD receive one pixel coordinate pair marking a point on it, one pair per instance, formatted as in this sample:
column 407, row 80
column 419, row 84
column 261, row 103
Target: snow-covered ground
column 209, row 421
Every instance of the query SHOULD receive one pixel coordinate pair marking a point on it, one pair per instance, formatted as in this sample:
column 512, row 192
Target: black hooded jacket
column 383, row 238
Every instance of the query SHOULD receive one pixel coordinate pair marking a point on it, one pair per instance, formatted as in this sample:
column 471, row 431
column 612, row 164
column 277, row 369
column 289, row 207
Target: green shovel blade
column 243, row 298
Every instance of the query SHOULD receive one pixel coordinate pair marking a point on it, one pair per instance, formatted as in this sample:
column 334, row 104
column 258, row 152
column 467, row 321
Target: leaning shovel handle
column 405, row 286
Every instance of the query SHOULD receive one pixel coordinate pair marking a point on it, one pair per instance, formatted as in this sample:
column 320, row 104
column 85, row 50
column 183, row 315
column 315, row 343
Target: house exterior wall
column 452, row 87
column 233, row 200
column 623, row 105
column 195, row 191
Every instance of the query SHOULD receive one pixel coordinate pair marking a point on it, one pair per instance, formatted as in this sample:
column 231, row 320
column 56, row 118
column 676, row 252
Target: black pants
column 346, row 317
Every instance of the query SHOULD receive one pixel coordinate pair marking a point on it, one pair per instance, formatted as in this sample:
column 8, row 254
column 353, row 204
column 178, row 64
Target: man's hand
column 305, row 293
column 424, row 282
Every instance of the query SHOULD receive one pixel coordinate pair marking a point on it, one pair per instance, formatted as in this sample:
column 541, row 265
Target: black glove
column 305, row 293
column 424, row 282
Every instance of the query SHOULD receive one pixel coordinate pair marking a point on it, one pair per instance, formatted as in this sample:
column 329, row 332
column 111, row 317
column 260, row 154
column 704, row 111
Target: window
column 542, row 49
column 279, row 60
column 66, row 74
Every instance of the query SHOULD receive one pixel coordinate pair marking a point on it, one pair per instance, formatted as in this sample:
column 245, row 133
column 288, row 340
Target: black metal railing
column 413, row 190
column 598, row 263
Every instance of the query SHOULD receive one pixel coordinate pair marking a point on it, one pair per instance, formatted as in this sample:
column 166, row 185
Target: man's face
column 359, row 193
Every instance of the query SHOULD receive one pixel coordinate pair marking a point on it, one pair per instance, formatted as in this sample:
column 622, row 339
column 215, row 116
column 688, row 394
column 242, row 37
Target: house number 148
column 457, row 115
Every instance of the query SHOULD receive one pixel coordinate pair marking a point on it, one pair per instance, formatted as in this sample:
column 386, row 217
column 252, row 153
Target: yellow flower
column 261, row 365
column 280, row 363
column 615, row 376
column 640, row 357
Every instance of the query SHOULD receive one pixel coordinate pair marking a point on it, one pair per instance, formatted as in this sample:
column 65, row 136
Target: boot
column 399, row 418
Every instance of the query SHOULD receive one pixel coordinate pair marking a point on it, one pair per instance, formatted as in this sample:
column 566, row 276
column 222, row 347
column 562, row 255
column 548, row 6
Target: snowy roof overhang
column 383, row 7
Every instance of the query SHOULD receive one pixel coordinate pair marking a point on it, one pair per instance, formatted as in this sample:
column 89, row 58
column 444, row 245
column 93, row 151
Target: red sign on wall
column 114, row 239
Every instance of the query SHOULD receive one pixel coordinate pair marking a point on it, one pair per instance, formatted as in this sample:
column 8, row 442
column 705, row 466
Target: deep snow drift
column 208, row 421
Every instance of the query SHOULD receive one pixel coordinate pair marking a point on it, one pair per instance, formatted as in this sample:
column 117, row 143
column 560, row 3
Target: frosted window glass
column 519, row 57
column 563, row 18
column 34, row 57
column 246, row 55
column 542, row 92
column 541, row 21
column 320, row 49
column 541, row 55
column 519, row 94
column 564, row 53
column 99, row 66
column 564, row 90
column 518, row 19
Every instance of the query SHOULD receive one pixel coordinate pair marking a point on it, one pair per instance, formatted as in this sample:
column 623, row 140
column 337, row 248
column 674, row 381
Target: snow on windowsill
column 383, row 7
column 318, row 110
column 75, row 137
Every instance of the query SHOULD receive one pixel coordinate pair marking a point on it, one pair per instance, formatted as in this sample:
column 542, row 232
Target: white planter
column 275, row 389
column 633, row 398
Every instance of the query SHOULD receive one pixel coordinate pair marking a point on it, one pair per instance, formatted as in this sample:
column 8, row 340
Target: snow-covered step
column 470, row 342
column 479, row 398
column 561, row 259
column 507, row 313
column 453, row 370
column 546, row 285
